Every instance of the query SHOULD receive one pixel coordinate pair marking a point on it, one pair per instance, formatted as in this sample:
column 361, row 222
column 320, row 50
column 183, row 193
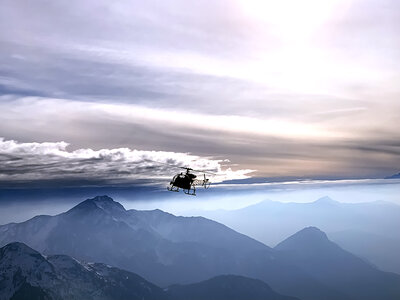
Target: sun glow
column 291, row 19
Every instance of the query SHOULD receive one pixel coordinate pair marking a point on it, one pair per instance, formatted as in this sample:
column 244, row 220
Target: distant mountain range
column 365, row 229
column 26, row 274
column 394, row 176
column 183, row 251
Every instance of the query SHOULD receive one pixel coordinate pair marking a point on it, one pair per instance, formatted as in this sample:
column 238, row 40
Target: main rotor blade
column 186, row 168
column 205, row 171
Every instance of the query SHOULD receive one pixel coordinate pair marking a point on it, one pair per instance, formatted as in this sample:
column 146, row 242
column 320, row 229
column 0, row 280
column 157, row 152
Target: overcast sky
column 99, row 91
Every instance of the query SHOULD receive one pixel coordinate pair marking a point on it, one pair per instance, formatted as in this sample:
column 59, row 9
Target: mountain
column 379, row 250
column 166, row 250
column 226, row 287
column 394, row 176
column 26, row 274
column 311, row 250
column 161, row 247
column 155, row 244
column 351, row 225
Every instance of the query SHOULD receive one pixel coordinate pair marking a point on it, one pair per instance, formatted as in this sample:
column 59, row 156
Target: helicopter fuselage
column 187, row 182
column 183, row 181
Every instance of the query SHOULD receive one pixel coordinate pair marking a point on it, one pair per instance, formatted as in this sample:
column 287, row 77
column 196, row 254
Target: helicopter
column 188, row 182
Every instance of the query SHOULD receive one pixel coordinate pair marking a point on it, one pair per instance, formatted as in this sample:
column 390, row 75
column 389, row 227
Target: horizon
column 18, row 205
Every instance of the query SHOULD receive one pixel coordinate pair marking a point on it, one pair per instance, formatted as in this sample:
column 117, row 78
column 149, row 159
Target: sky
column 108, row 93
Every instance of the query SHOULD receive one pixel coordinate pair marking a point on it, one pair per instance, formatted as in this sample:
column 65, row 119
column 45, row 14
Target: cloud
column 42, row 110
column 307, row 92
column 275, row 147
column 219, row 39
column 27, row 163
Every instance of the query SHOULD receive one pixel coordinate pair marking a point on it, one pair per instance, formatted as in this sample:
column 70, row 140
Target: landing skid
column 191, row 192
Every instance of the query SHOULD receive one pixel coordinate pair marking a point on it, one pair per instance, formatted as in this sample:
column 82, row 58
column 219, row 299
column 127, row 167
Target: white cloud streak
column 131, row 113
column 31, row 162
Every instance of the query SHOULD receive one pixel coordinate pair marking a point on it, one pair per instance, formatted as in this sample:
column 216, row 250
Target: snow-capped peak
column 107, row 203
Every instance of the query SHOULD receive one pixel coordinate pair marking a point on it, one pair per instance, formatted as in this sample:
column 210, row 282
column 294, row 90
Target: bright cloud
column 30, row 162
column 131, row 113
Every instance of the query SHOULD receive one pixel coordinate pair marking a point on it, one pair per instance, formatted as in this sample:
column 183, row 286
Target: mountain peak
column 312, row 232
column 326, row 200
column 104, row 203
column 394, row 176
column 308, row 237
column 17, row 249
column 103, row 198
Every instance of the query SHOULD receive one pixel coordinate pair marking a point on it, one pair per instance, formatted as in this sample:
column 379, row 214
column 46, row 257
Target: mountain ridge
column 24, row 271
column 394, row 176
column 26, row 274
column 161, row 247
column 166, row 249
column 312, row 251
column 271, row 221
